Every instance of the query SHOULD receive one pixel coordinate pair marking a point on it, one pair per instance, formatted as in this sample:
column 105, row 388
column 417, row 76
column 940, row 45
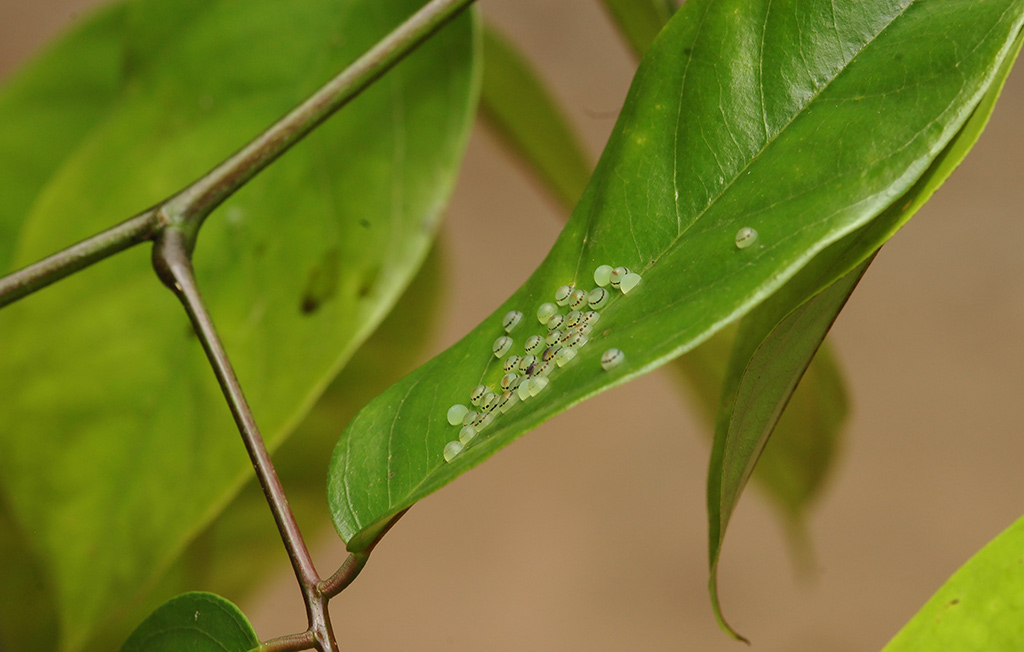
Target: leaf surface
column 116, row 447
column 978, row 608
column 197, row 622
column 736, row 117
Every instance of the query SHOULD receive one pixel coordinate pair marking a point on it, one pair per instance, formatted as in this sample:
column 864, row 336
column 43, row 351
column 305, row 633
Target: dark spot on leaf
column 364, row 223
column 687, row 51
column 321, row 283
column 954, row 602
column 368, row 282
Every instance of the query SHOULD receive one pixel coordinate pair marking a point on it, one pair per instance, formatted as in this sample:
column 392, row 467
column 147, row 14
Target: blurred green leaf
column 978, row 609
column 640, row 21
column 529, row 120
column 197, row 622
column 116, row 448
column 711, row 139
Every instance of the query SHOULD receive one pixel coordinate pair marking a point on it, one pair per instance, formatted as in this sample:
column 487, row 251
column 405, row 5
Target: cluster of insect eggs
column 526, row 375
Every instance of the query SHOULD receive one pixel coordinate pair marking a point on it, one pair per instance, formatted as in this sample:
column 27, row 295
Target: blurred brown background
column 589, row 533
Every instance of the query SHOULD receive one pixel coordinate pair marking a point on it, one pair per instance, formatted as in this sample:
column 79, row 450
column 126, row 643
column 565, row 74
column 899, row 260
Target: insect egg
column 511, row 320
column 456, row 413
column 552, row 336
column 543, row 368
column 537, row 384
column 590, row 318
column 565, row 355
column 577, row 341
column 629, row 281
column 451, row 449
column 578, row 299
column 509, row 381
column 745, row 237
column 485, row 421
column 602, row 275
column 526, row 361
column 598, row 298
column 611, row 358
column 617, row 275
column 550, row 353
column 545, row 311
column 502, row 346
column 476, row 397
column 508, row 399
column 490, row 401
column 573, row 318
column 523, row 391
column 562, row 295
column 466, row 434
column 512, row 363
column 470, row 418
column 533, row 343
column 556, row 321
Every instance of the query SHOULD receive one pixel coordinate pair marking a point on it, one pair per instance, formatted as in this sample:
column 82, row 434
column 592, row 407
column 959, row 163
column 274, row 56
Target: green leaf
column 528, row 119
column 758, row 385
column 774, row 346
column 640, row 21
column 116, row 447
column 48, row 108
column 197, row 622
column 978, row 608
column 718, row 132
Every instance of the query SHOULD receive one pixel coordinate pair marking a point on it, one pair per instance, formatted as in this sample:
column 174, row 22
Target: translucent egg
column 573, row 318
column 603, row 275
column 533, row 343
column 512, row 363
column 456, row 413
column 537, row 384
column 552, row 336
column 590, row 318
column 745, row 237
column 470, row 418
column 543, row 368
column 617, row 275
column 451, row 449
column 564, row 356
column 556, row 321
column 526, row 361
column 577, row 299
column 550, row 353
column 562, row 295
column 509, row 381
column 502, row 345
column 545, row 311
column 612, row 358
column 508, row 399
column 523, row 391
column 476, row 397
column 629, row 281
column 512, row 319
column 598, row 298
column 487, row 420
column 466, row 434
column 490, row 401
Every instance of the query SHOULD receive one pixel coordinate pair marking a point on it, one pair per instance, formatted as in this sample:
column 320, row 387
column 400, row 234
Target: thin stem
column 290, row 643
column 354, row 563
column 78, row 256
column 171, row 259
column 193, row 204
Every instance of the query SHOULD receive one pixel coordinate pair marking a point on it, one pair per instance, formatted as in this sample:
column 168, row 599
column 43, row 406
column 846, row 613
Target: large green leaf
column 517, row 104
column 197, row 622
column 978, row 609
column 736, row 117
column 115, row 445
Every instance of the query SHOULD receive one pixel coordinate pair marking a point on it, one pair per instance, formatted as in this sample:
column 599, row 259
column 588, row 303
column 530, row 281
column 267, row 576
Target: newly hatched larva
column 590, row 318
column 573, row 318
column 502, row 345
column 537, row 384
column 612, row 358
column 512, row 363
column 550, row 353
column 556, row 321
column 509, row 381
column 451, row 449
column 533, row 344
column 508, row 399
column 562, row 295
column 617, row 275
column 466, row 434
column 526, row 361
column 552, row 336
column 578, row 299
column 456, row 413
column 603, row 275
column 745, row 237
column 629, row 281
column 598, row 298
column 545, row 311
column 490, row 401
column 512, row 319
column 565, row 356
column 476, row 397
